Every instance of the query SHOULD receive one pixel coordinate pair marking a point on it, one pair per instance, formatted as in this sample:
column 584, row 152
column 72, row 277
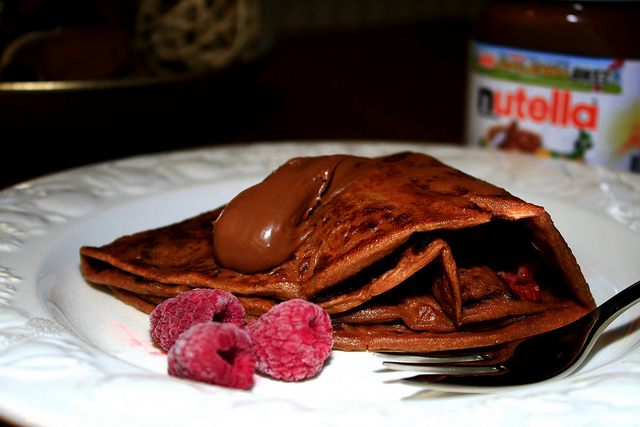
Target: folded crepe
column 403, row 252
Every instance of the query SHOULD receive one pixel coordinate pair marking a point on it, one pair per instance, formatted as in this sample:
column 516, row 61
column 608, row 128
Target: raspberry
column 175, row 315
column 522, row 283
column 214, row 353
column 291, row 340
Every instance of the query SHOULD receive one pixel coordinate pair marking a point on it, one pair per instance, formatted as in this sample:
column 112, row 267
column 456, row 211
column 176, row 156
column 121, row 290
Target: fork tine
column 446, row 369
column 440, row 359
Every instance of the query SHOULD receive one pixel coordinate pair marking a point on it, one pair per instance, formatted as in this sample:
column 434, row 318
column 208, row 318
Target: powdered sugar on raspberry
column 292, row 340
column 214, row 353
column 175, row 315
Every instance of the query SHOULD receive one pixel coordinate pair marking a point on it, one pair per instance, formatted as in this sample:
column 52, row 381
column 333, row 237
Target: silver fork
column 550, row 355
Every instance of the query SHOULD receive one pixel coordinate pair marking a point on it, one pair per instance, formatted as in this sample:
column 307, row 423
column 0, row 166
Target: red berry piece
column 214, row 353
column 522, row 283
column 175, row 315
column 292, row 340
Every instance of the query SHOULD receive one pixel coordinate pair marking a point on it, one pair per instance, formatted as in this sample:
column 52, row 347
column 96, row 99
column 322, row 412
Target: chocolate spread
column 565, row 71
column 264, row 225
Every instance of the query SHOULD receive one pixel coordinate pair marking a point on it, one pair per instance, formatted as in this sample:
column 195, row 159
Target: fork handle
column 617, row 304
column 601, row 317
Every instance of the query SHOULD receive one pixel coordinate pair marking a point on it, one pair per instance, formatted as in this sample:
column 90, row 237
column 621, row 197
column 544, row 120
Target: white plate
column 73, row 355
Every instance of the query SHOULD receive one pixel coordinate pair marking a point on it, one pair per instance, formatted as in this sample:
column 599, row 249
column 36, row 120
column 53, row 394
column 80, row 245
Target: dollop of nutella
column 264, row 225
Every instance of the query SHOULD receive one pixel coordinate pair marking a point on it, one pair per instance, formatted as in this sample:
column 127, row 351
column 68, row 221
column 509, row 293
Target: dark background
column 401, row 79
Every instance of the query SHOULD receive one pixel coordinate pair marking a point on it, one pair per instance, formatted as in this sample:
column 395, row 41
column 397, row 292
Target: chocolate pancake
column 404, row 253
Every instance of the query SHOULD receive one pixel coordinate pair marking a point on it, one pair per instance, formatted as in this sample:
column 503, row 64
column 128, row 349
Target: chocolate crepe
column 407, row 254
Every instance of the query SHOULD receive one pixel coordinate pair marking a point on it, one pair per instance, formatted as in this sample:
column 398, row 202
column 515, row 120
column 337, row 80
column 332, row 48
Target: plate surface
column 70, row 352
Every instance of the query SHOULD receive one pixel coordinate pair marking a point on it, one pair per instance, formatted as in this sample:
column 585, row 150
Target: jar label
column 555, row 105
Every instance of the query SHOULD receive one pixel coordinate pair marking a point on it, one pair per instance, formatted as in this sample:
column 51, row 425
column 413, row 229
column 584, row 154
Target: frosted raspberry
column 214, row 353
column 175, row 315
column 292, row 340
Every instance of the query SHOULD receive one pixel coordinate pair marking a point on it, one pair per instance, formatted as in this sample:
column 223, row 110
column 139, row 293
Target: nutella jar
column 557, row 78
